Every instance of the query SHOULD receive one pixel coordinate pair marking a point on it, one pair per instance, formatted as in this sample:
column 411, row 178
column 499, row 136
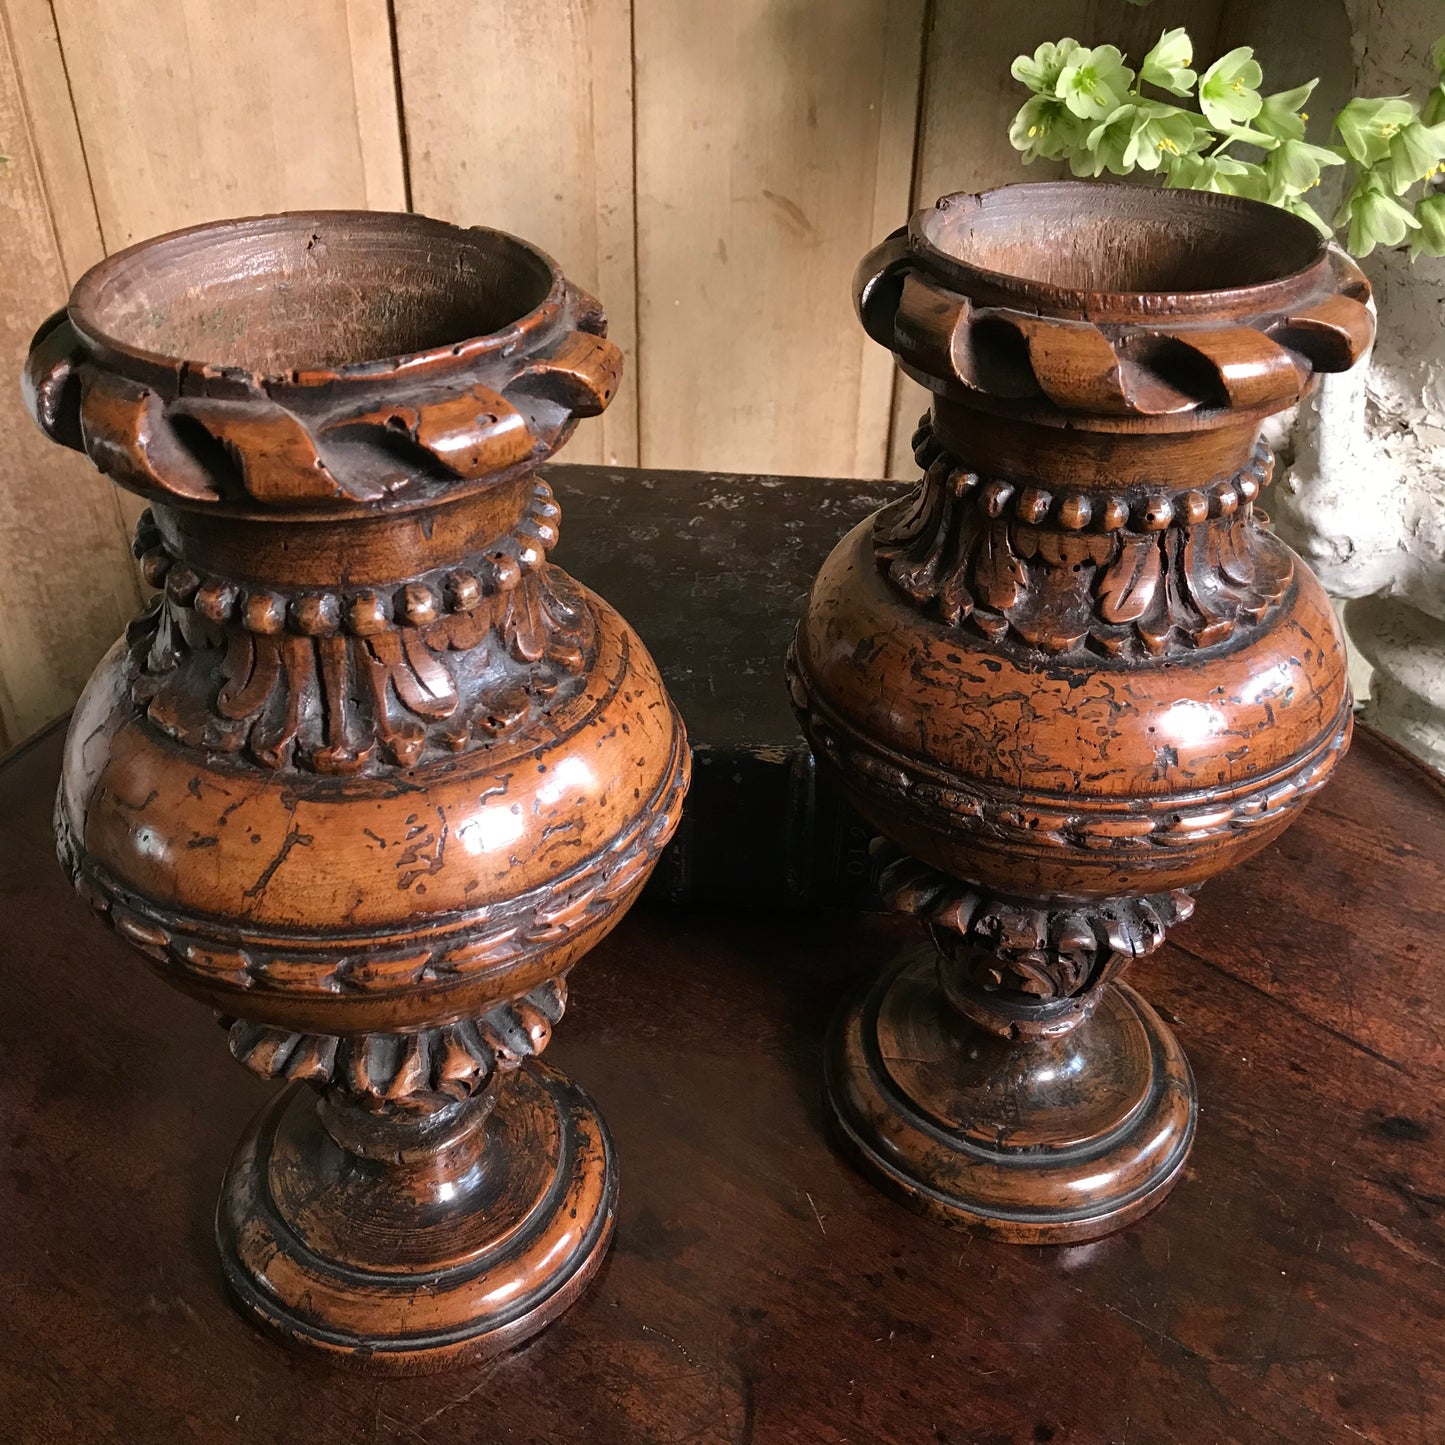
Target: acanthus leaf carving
column 1124, row 574
column 348, row 680
column 1018, row 966
column 1127, row 587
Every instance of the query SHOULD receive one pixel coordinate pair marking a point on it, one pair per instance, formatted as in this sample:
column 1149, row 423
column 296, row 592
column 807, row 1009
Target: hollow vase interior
column 1093, row 239
column 313, row 290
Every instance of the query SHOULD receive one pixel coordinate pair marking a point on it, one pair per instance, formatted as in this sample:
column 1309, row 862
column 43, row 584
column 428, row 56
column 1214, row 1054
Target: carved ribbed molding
column 449, row 1061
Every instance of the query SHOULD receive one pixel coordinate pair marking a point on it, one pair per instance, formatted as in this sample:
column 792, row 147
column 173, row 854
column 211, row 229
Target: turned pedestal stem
column 1052, row 1140
column 416, row 1241
column 1005, row 1079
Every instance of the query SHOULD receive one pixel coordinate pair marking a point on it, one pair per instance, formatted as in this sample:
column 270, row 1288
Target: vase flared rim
column 490, row 292
column 1253, row 256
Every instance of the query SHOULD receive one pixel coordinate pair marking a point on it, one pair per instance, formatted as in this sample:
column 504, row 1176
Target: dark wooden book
column 713, row 572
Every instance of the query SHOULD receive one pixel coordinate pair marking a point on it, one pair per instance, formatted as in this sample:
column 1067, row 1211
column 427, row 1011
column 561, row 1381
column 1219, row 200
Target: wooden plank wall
column 714, row 169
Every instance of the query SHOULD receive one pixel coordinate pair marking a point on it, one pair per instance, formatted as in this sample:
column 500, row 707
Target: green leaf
column 1281, row 114
column 1367, row 126
column 1375, row 217
column 1228, row 91
column 1416, row 151
column 1429, row 240
column 1437, row 56
column 1045, row 127
column 1434, row 111
column 1161, row 133
column 1167, row 65
column 1095, row 83
column 1041, row 71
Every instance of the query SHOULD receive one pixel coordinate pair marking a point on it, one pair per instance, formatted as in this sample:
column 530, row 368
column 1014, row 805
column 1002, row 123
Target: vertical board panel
column 378, row 112
column 969, row 98
column 192, row 110
column 519, row 116
column 771, row 136
column 67, row 587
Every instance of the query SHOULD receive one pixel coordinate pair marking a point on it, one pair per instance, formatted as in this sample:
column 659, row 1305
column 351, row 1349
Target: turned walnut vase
column 1072, row 676
column 369, row 775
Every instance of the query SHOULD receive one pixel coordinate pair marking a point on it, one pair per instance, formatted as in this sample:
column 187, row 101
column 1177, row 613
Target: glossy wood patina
column 370, row 775
column 1073, row 676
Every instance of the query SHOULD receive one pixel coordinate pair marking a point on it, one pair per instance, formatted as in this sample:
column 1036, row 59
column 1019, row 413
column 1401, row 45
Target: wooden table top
column 1291, row 1289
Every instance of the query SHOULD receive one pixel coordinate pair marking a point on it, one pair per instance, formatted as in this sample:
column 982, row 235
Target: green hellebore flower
column 1437, row 56
column 1434, row 111
column 1281, row 114
column 1429, row 240
column 1416, row 151
column 1376, row 217
column 1045, row 127
column 1228, row 91
column 1111, row 144
column 1293, row 167
column 1158, row 133
column 1103, row 147
column 1095, row 82
column 1041, row 71
column 1167, row 65
column 1368, row 126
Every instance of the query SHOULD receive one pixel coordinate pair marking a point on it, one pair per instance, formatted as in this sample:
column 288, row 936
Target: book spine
column 761, row 827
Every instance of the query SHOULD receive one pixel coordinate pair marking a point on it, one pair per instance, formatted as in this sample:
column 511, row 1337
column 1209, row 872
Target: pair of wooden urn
column 370, row 774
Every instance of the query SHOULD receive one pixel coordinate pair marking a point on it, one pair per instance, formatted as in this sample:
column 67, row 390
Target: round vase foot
column 1057, row 1141
column 480, row 1227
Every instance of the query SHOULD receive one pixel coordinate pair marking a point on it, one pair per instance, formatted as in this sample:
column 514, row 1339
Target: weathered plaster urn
column 1364, row 500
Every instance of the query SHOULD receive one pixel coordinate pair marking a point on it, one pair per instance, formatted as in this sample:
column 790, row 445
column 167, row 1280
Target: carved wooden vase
column 1072, row 676
column 369, row 775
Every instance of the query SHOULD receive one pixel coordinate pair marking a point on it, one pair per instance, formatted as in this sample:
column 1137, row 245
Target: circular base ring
column 383, row 1269
column 1058, row 1141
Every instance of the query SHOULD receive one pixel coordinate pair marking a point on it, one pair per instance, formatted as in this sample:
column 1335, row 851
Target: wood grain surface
column 759, row 1289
